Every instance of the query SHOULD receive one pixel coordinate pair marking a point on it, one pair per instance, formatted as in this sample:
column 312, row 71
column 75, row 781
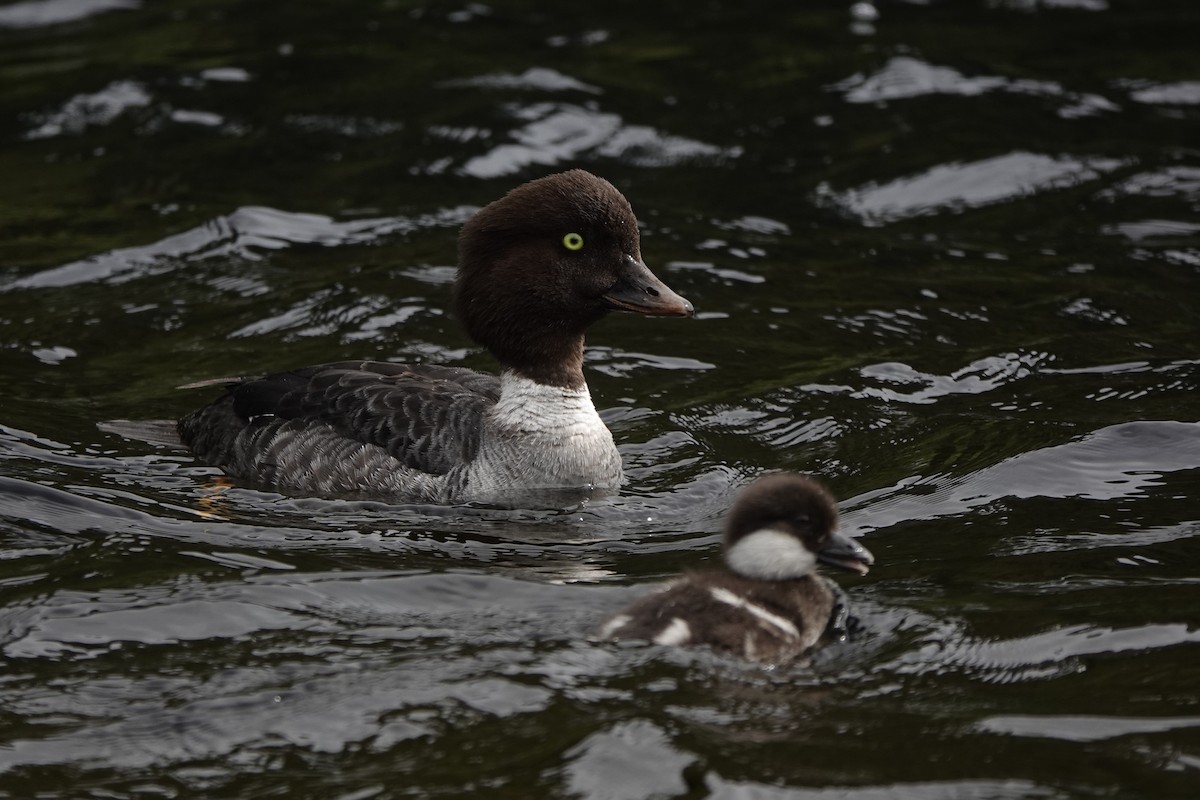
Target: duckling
column 766, row 603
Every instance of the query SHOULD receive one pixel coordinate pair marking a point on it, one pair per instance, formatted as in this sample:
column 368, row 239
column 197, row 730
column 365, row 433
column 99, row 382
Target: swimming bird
column 766, row 603
column 536, row 268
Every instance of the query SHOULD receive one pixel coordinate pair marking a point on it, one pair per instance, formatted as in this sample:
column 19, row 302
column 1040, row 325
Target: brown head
column 781, row 525
column 542, row 263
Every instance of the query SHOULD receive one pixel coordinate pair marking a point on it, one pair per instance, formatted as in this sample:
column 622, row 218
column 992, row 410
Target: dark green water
column 948, row 260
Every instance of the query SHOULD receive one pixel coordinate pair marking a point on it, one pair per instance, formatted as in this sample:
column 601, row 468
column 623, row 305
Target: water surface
column 944, row 255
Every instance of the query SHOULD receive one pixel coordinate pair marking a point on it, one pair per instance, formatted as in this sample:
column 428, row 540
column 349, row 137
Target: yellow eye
column 573, row 241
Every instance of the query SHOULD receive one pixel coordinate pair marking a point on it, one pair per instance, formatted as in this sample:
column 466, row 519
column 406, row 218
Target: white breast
column 540, row 436
column 533, row 408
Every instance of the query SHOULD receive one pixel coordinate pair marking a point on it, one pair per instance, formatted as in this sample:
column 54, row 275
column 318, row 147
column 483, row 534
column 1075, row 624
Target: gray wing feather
column 428, row 418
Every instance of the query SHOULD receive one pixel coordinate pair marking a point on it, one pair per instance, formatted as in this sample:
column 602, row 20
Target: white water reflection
column 721, row 789
column 980, row 376
column 348, row 126
column 629, row 761
column 617, row 363
column 326, row 312
column 905, row 77
column 42, row 13
column 966, row 185
column 243, row 234
column 1184, row 93
column 556, row 133
column 1149, row 228
column 225, row 74
column 537, row 78
column 1179, row 181
column 1083, row 728
column 723, row 274
column 1032, row 5
column 1117, row 462
column 96, row 108
column 71, row 625
column 1044, row 541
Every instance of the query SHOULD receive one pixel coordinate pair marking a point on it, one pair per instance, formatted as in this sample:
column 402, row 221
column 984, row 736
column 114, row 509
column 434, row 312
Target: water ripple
column 243, row 234
column 1182, row 182
column 557, row 133
column 1082, row 728
column 1009, row 659
column 321, row 314
column 978, row 377
column 965, row 185
column 42, row 13
column 905, row 77
column 1119, row 461
column 1184, row 93
column 629, row 761
column 84, row 110
column 722, row 789
column 539, row 78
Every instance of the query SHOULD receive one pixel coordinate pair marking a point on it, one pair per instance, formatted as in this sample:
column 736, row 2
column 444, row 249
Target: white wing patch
column 675, row 633
column 612, row 626
column 772, row 619
column 770, row 555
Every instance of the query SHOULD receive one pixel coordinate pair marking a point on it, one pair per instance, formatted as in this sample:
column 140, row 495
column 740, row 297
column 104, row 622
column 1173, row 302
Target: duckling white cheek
column 770, row 555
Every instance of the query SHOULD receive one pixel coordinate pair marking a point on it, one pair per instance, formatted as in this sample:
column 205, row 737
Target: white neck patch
column 770, row 555
column 531, row 407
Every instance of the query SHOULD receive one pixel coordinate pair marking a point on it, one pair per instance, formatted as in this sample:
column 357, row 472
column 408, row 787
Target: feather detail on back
column 769, row 622
column 427, row 418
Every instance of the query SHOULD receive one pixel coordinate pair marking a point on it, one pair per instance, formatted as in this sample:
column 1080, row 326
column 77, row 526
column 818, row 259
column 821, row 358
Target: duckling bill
column 767, row 603
column 536, row 269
